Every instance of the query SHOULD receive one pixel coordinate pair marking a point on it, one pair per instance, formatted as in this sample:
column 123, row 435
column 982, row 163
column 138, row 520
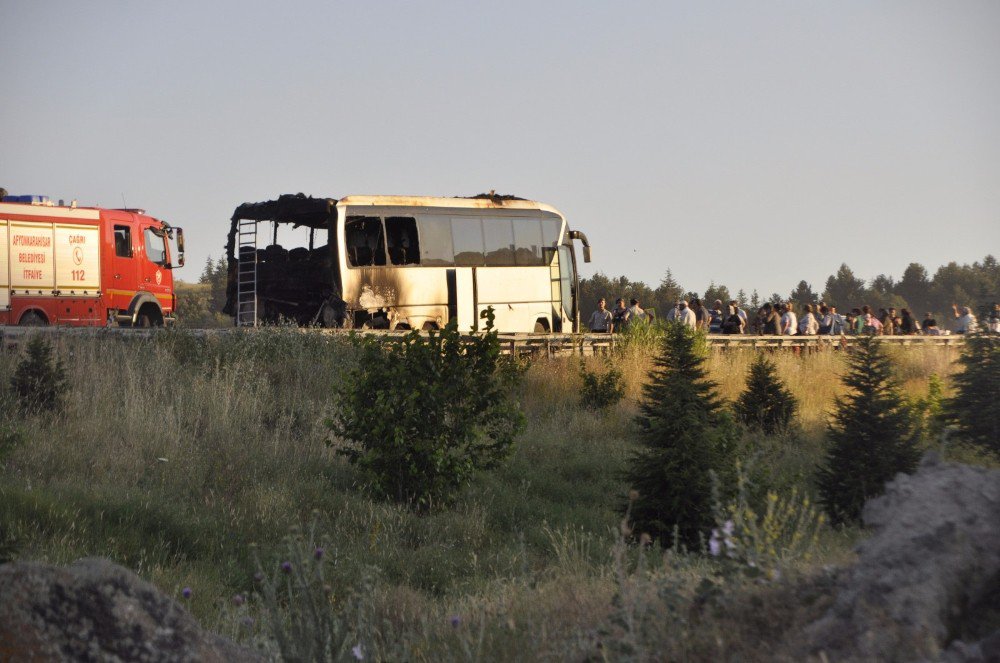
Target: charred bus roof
column 301, row 210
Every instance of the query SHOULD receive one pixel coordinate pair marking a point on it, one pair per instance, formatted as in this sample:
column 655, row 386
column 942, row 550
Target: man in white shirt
column 600, row 320
column 686, row 316
column 966, row 322
column 789, row 321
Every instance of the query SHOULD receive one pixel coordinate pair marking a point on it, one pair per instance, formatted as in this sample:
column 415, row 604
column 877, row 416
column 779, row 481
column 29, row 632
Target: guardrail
column 550, row 345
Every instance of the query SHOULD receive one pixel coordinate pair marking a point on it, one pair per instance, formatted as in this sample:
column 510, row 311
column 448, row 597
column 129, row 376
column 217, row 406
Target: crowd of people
column 781, row 319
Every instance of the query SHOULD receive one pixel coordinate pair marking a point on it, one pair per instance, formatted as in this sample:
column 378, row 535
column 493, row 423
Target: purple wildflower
column 358, row 652
column 258, row 577
column 186, row 592
column 238, row 600
column 455, row 621
column 714, row 547
column 318, row 554
column 286, row 567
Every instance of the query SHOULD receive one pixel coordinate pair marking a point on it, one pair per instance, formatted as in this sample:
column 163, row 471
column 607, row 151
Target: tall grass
column 189, row 460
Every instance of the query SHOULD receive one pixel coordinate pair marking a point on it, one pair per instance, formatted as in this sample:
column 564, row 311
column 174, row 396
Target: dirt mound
column 98, row 611
column 927, row 583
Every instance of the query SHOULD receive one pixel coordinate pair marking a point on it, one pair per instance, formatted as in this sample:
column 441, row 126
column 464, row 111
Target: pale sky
column 752, row 144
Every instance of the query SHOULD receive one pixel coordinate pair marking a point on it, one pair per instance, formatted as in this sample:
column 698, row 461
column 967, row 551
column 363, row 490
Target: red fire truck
column 85, row 266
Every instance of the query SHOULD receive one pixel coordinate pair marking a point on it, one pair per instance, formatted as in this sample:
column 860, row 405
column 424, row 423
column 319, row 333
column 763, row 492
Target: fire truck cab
column 85, row 266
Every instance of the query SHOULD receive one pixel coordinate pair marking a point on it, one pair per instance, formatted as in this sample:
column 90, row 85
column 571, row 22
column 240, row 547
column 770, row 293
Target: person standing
column 772, row 322
column 743, row 315
column 715, row 318
column 966, row 322
column 620, row 316
column 600, row 320
column 994, row 322
column 908, row 325
column 789, row 321
column 733, row 323
column 686, row 316
column 930, row 325
column 635, row 312
column 808, row 326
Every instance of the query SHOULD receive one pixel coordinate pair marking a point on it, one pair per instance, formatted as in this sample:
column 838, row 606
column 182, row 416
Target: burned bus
column 403, row 262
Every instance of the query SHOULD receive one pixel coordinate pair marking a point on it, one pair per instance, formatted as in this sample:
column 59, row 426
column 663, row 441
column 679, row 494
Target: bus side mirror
column 586, row 254
column 180, row 246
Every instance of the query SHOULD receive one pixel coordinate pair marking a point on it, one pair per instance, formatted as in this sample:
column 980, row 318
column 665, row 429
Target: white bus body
column 401, row 262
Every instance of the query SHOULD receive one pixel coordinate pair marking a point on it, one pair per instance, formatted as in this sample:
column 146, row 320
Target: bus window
column 499, row 241
column 527, row 241
column 467, row 236
column 364, row 241
column 550, row 231
column 401, row 240
column 435, row 241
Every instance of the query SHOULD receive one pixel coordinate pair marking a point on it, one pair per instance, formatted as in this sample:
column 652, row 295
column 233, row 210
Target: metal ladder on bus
column 246, row 275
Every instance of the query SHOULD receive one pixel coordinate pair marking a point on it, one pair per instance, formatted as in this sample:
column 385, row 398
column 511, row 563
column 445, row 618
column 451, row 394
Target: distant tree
column 755, row 302
column 844, row 290
column 683, row 436
column 872, row 436
column 668, row 293
column 766, row 403
column 719, row 292
column 803, row 294
column 691, row 295
column 776, row 299
column 974, row 410
column 39, row 381
column 741, row 298
column 915, row 288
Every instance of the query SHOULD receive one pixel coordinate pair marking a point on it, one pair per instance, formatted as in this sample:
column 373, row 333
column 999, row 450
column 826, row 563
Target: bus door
column 4, row 268
column 462, row 300
column 565, row 304
column 124, row 272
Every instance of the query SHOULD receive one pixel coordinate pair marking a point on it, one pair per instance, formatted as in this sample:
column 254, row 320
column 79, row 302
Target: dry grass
column 175, row 454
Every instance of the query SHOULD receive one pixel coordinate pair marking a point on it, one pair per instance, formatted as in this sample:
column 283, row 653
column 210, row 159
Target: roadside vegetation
column 208, row 464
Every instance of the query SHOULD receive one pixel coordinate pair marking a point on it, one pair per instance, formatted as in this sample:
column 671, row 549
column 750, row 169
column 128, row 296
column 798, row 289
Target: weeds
column 601, row 390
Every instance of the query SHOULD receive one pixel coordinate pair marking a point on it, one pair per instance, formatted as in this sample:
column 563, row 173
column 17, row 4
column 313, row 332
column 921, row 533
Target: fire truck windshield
column 156, row 249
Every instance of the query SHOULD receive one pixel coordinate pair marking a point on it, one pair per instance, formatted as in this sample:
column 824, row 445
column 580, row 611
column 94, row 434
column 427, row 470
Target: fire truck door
column 123, row 265
column 154, row 276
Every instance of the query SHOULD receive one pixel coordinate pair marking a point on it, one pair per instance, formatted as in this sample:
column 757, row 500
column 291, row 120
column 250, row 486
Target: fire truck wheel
column 32, row 319
column 143, row 321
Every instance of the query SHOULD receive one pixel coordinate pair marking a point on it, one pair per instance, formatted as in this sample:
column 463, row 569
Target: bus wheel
column 32, row 319
column 541, row 326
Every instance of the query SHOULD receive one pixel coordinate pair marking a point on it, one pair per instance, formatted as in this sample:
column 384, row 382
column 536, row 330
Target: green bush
column 872, row 436
column 601, row 390
column 684, row 436
column 974, row 411
column 39, row 382
column 766, row 403
column 423, row 414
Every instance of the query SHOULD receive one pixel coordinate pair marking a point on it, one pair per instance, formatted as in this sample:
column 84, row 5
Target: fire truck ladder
column 246, row 277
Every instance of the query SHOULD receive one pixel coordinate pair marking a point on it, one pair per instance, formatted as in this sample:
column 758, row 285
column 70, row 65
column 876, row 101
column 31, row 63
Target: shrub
column 601, row 390
column 872, row 435
column 766, row 404
column 765, row 539
column 39, row 382
column 425, row 413
column 684, row 436
column 974, row 411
